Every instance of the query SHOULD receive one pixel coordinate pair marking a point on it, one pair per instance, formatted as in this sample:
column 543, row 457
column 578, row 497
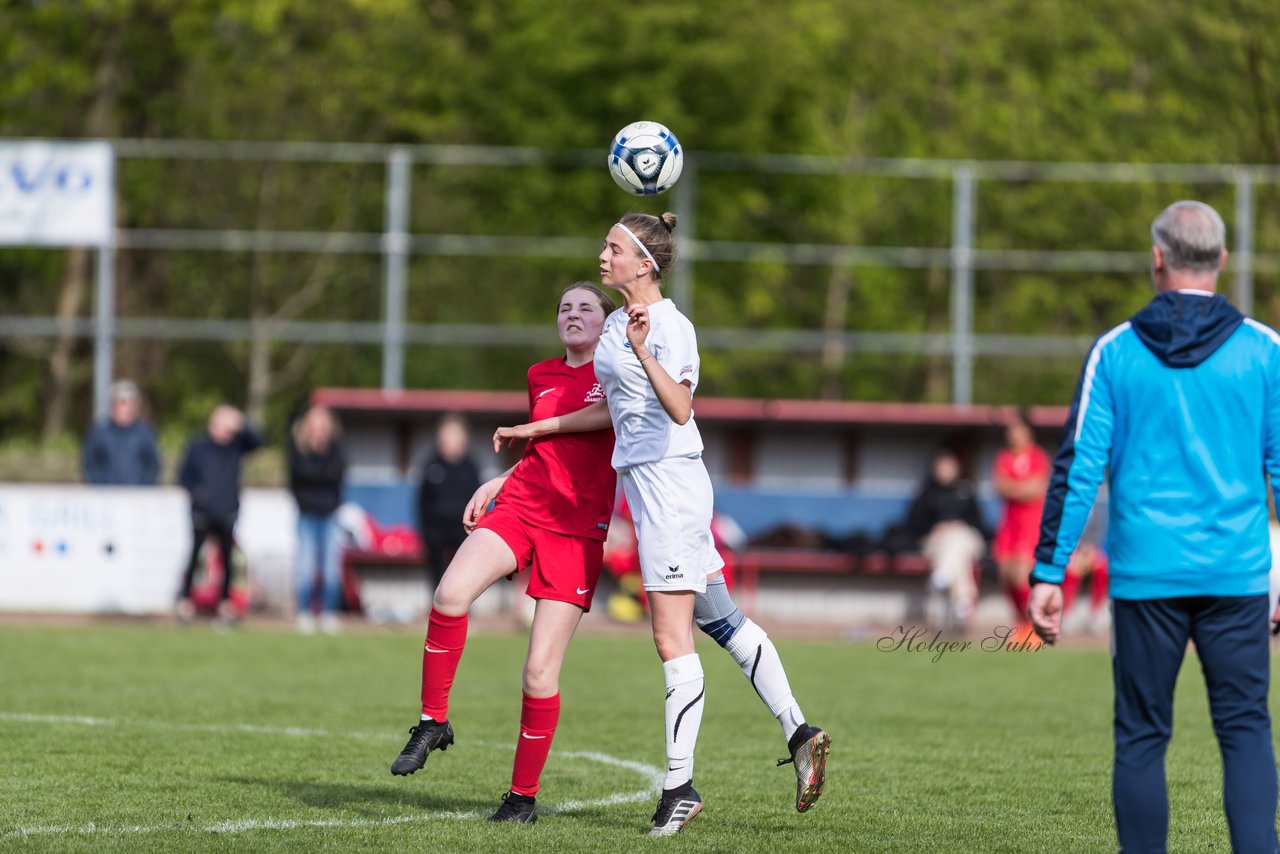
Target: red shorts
column 564, row 568
column 1016, row 539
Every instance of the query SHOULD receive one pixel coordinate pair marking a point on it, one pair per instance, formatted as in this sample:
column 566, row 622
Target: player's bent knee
column 716, row 613
column 673, row 646
column 720, row 631
column 541, row 684
column 449, row 601
column 540, row 678
column 455, row 593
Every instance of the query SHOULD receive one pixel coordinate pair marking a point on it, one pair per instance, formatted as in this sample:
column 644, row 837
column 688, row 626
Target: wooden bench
column 753, row 562
column 357, row 562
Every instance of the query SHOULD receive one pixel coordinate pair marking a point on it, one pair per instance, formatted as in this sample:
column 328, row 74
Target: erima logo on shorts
column 674, row 573
column 687, row 369
column 603, row 526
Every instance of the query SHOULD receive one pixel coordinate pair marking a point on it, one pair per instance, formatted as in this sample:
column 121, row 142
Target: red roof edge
column 516, row 404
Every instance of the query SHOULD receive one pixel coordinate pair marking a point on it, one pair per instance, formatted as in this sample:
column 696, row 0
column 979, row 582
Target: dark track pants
column 202, row 527
column 1149, row 639
column 442, row 542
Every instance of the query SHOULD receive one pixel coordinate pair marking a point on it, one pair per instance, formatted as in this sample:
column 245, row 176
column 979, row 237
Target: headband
column 643, row 248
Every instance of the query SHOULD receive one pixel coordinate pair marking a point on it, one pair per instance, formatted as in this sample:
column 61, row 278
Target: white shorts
column 671, row 502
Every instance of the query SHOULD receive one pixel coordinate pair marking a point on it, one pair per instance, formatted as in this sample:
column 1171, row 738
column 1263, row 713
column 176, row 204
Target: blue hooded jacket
column 1179, row 408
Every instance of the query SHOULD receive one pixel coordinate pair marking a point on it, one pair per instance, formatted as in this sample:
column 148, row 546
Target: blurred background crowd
column 335, row 228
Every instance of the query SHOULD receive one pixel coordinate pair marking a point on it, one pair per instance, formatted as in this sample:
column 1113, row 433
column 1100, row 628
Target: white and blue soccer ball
column 645, row 158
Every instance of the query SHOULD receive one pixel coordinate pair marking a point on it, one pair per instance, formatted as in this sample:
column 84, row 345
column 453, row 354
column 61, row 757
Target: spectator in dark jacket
column 944, row 496
column 210, row 473
column 946, row 521
column 446, row 482
column 120, row 449
column 316, row 469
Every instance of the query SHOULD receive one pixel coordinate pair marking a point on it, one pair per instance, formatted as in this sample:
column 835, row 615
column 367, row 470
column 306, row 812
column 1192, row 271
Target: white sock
column 790, row 719
column 686, row 690
column 759, row 660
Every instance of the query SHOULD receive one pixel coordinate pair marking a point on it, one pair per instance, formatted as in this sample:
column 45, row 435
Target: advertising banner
column 105, row 550
column 56, row 193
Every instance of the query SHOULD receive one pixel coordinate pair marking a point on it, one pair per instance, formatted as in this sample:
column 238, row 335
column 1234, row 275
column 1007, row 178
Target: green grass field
column 145, row 737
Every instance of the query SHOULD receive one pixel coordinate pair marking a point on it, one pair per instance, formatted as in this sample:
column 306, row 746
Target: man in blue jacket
column 1179, row 408
column 120, row 449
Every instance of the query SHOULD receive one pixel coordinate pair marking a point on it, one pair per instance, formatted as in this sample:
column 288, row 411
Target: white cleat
column 676, row 811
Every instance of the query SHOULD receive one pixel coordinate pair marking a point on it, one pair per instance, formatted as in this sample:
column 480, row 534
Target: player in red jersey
column 551, row 516
column 1021, row 478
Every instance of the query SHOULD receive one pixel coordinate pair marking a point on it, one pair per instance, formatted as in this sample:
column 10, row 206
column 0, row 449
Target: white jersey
column 644, row 431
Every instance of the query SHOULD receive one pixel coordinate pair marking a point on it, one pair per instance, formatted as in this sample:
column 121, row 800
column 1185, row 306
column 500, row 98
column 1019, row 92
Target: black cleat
column 676, row 809
column 809, row 747
column 424, row 738
column 517, row 808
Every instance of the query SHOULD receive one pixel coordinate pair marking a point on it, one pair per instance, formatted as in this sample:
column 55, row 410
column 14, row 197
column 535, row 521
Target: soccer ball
column 645, row 158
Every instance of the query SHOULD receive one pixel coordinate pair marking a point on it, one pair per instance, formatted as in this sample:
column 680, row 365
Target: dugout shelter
column 813, row 484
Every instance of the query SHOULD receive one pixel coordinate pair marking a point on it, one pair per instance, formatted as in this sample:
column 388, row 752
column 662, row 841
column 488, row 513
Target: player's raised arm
column 676, row 397
column 593, row 417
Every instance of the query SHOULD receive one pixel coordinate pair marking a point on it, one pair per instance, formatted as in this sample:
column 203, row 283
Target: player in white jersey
column 647, row 363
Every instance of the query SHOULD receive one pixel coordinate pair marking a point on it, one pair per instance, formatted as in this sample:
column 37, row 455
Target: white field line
column 651, row 775
column 292, row 732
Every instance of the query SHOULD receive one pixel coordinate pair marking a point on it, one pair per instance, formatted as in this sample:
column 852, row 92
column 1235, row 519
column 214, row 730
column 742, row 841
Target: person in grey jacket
column 120, row 448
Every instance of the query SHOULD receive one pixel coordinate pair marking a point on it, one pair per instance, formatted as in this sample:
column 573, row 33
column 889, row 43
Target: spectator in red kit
column 1021, row 477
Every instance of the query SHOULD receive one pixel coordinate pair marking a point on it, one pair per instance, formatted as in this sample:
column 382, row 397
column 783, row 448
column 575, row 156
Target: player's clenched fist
column 638, row 325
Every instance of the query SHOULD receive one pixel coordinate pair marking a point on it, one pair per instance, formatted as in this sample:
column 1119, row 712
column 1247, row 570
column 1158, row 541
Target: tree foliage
column 1085, row 80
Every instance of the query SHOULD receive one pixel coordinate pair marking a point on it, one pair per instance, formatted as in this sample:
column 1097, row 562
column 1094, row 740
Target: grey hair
column 124, row 390
column 1191, row 235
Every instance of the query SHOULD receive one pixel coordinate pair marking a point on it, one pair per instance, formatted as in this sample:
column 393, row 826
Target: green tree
column 1092, row 80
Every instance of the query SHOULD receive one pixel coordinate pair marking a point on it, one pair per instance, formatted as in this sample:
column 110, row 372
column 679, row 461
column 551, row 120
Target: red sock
column 1019, row 595
column 1098, row 587
column 538, row 719
column 446, row 636
column 1070, row 585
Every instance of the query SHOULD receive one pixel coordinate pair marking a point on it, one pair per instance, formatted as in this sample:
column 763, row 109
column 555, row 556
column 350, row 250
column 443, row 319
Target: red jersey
column 1028, row 464
column 564, row 483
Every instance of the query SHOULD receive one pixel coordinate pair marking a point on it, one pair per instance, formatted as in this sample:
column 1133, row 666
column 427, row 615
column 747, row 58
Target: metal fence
column 395, row 244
